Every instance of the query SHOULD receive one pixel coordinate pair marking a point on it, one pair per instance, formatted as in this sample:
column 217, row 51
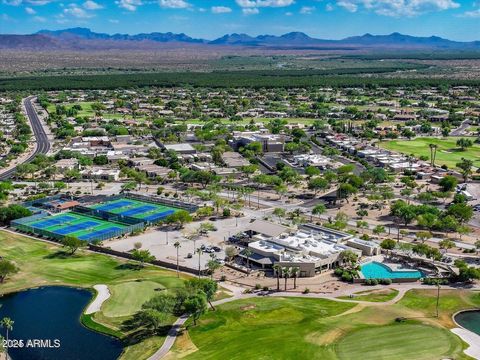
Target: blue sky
column 330, row 19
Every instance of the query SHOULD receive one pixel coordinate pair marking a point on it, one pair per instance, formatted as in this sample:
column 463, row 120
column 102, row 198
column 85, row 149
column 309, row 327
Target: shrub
column 338, row 271
column 347, row 277
column 223, row 278
column 266, row 288
column 306, row 290
column 385, row 281
column 258, row 286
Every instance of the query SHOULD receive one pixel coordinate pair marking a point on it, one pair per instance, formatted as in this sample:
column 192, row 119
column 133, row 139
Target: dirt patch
column 183, row 346
column 248, row 307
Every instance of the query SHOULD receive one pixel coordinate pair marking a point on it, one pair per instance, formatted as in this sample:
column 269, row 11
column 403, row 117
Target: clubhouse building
column 311, row 248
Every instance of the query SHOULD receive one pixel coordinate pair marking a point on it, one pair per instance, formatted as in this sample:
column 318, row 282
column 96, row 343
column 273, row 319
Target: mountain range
column 85, row 39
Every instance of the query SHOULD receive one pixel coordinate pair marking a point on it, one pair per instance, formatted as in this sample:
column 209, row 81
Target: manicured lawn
column 304, row 328
column 381, row 295
column 263, row 329
column 125, row 300
column 397, row 342
column 44, row 264
column 447, row 151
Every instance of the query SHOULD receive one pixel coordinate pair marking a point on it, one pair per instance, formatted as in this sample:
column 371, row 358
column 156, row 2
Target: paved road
column 461, row 129
column 43, row 144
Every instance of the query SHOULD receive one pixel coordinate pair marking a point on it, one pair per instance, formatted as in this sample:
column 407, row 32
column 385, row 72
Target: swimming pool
column 376, row 270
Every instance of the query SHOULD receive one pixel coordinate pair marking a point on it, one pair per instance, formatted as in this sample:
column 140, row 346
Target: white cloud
column 174, row 4
column 221, row 9
column 307, row 10
column 398, row 8
column 471, row 14
column 113, row 21
column 92, row 5
column 77, row 12
column 12, row 3
column 264, row 3
column 30, row 11
column 39, row 19
column 348, row 5
column 329, row 7
column 130, row 5
column 250, row 11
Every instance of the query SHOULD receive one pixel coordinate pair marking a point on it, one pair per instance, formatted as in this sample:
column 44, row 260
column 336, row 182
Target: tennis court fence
column 160, row 201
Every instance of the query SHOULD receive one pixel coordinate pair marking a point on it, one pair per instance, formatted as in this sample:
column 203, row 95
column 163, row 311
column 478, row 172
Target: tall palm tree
column 277, row 268
column 433, row 153
column 199, row 252
column 294, row 272
column 7, row 323
column 286, row 274
column 177, row 246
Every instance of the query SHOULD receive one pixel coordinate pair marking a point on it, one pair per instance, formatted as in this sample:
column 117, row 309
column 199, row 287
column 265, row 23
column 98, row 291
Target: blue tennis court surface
column 114, row 205
column 139, row 210
column 78, row 227
column 160, row 216
column 58, row 220
column 143, row 210
column 95, row 234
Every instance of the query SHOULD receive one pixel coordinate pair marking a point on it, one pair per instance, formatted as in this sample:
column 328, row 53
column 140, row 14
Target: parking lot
column 161, row 243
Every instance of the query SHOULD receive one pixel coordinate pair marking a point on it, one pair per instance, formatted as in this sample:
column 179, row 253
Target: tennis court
column 77, row 225
column 150, row 212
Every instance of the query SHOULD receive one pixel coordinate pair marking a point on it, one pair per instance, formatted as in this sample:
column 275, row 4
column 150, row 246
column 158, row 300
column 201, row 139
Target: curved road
column 42, row 143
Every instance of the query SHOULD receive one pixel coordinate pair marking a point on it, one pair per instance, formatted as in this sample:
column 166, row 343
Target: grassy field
column 380, row 295
column 44, row 264
column 447, row 152
column 287, row 328
column 87, row 111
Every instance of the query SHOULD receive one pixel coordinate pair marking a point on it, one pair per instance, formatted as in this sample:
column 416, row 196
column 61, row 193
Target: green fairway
column 381, row 295
column 447, row 151
column 44, row 264
column 281, row 328
column 303, row 328
column 397, row 342
column 125, row 300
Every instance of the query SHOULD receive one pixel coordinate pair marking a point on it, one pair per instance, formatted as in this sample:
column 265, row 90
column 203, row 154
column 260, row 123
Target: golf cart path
column 102, row 295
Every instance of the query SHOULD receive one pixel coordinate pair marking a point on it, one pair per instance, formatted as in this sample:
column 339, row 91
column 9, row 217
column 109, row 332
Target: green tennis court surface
column 80, row 226
column 136, row 209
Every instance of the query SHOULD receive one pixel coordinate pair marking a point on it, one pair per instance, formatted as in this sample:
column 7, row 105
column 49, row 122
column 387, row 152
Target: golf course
column 448, row 153
column 44, row 264
column 305, row 328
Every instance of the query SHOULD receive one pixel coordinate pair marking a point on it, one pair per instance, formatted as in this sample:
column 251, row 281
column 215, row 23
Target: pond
column 470, row 320
column 53, row 314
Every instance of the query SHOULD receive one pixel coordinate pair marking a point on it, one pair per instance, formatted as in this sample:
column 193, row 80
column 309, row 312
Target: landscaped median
column 45, row 264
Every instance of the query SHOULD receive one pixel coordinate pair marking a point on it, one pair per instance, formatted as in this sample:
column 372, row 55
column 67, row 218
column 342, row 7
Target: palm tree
column 433, row 153
column 286, row 274
column 277, row 268
column 177, row 246
column 247, row 252
column 199, row 252
column 7, row 323
column 294, row 272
